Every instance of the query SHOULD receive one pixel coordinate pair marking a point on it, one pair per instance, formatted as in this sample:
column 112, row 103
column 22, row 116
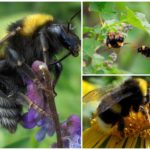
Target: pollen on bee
column 120, row 44
column 19, row 63
column 143, row 47
column 109, row 45
column 136, row 124
column 43, row 66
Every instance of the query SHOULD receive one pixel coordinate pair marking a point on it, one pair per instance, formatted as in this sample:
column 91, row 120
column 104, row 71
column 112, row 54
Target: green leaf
column 97, row 7
column 144, row 21
column 87, row 29
column 133, row 19
column 104, row 9
column 20, row 143
column 138, row 20
column 89, row 46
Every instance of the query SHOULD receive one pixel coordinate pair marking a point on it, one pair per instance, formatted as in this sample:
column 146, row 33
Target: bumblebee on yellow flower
column 121, row 118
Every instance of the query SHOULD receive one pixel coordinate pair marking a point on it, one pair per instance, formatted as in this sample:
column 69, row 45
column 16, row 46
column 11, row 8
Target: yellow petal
column 142, row 143
column 101, row 140
column 131, row 142
column 87, row 87
column 147, row 142
column 90, row 137
column 115, row 142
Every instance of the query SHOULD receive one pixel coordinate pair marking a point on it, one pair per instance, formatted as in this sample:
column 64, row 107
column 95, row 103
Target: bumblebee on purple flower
column 70, row 129
column 29, row 71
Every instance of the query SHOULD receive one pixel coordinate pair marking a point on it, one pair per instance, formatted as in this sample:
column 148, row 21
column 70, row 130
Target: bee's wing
column 112, row 98
column 94, row 95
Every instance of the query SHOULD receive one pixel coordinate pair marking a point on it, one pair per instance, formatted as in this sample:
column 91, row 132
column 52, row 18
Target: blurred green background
column 68, row 87
column 129, row 61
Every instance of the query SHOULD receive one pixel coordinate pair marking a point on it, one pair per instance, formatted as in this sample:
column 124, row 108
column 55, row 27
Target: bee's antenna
column 69, row 22
column 64, row 57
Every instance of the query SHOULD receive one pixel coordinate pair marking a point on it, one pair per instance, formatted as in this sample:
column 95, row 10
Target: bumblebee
column 144, row 50
column 35, row 37
column 114, row 40
column 117, row 104
column 10, row 109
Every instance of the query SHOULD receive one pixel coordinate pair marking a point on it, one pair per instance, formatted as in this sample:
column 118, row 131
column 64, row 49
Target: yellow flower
column 137, row 133
column 87, row 87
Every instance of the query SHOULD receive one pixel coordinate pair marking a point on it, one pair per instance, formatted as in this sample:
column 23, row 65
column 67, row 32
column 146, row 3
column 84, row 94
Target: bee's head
column 70, row 40
column 65, row 35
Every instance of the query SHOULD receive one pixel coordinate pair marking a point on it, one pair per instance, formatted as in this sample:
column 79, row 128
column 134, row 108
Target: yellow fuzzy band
column 32, row 22
column 143, row 84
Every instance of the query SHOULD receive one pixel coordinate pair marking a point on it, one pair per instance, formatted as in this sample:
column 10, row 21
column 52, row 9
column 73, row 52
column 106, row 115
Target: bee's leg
column 25, row 101
column 45, row 47
column 57, row 72
column 121, row 126
column 17, row 61
column 57, row 66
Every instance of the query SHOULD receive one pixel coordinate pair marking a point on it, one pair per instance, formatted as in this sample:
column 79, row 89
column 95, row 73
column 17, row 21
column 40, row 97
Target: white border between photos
column 75, row 1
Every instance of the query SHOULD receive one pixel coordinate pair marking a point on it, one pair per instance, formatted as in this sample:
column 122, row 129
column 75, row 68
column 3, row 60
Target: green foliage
column 68, row 87
column 105, row 17
column 19, row 143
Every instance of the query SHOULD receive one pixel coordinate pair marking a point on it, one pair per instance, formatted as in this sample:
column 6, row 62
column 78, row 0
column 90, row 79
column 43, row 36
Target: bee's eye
column 54, row 29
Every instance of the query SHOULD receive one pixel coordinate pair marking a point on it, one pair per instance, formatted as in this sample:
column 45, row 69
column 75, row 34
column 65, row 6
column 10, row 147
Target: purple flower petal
column 41, row 134
column 41, row 122
column 35, row 95
column 51, row 132
column 73, row 125
column 72, row 141
column 32, row 114
column 47, row 124
column 66, row 143
column 29, row 119
column 36, row 64
column 71, row 132
column 51, row 129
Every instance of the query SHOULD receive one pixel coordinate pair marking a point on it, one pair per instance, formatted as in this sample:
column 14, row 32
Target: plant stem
column 50, row 99
column 53, row 109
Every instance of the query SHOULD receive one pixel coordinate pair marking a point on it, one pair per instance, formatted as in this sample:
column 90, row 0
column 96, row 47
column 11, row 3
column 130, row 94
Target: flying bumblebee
column 114, row 40
column 144, row 50
column 35, row 37
column 116, row 104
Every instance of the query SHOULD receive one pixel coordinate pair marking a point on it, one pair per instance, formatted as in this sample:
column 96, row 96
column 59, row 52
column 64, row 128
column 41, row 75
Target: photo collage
column 74, row 74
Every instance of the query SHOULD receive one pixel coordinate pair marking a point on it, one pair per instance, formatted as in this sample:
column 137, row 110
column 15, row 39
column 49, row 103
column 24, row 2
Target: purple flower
column 47, row 127
column 29, row 119
column 33, row 118
column 70, row 129
column 72, row 141
column 71, row 133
